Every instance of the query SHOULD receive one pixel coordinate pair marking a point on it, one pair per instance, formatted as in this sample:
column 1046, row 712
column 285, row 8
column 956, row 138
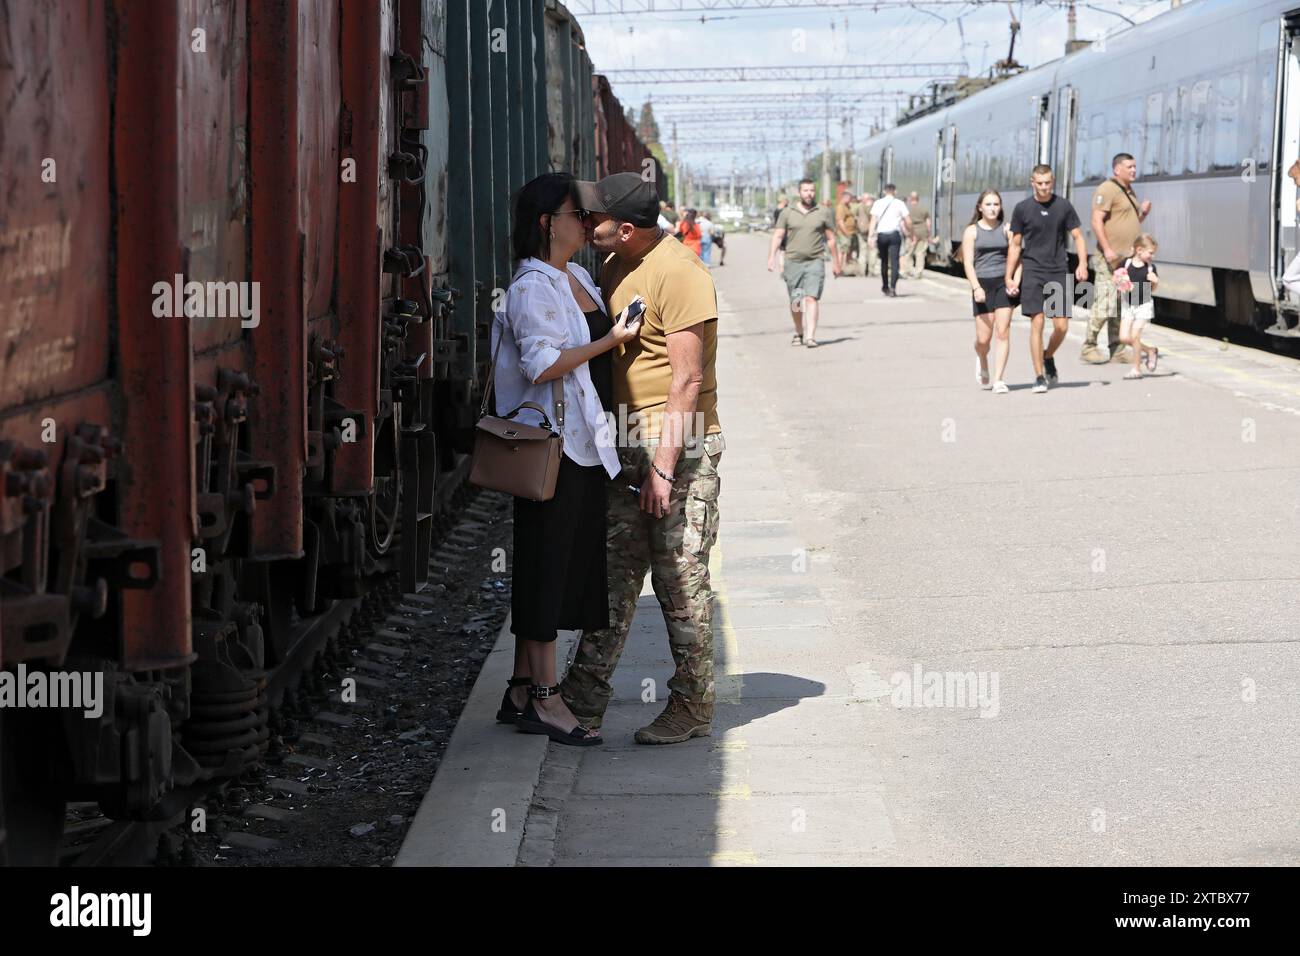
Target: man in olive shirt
column 921, row 229
column 807, row 230
column 1116, row 222
column 670, row 443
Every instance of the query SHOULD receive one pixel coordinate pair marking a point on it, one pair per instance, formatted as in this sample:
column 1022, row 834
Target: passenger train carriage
column 1207, row 99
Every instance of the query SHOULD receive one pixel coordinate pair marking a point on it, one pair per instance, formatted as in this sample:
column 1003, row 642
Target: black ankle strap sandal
column 530, row 722
column 508, row 713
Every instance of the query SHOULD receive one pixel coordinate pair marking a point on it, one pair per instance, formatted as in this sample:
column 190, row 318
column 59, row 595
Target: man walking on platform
column 666, row 390
column 1039, row 227
column 890, row 224
column 1116, row 222
column 806, row 230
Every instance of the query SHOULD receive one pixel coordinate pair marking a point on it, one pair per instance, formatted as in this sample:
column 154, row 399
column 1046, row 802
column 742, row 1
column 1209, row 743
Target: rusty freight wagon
column 248, row 250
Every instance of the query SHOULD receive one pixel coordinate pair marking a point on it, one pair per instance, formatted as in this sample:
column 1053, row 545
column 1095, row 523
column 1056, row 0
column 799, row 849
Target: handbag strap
column 1129, row 196
column 557, row 384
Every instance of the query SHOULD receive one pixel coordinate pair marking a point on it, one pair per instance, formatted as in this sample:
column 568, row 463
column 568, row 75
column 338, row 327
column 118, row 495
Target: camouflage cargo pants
column 872, row 267
column 1105, row 307
column 675, row 550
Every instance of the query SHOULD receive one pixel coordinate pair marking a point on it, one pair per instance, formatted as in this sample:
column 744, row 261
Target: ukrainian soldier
column 922, row 232
column 1117, row 219
column 666, row 389
column 846, row 229
column 870, row 255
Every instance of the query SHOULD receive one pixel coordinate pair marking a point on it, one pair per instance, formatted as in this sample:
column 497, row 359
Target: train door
column 945, row 185
column 886, row 168
column 936, row 187
column 1285, row 238
column 1067, row 126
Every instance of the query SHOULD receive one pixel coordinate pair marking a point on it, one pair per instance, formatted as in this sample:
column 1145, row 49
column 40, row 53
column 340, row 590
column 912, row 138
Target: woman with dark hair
column 554, row 326
column 984, row 257
column 688, row 231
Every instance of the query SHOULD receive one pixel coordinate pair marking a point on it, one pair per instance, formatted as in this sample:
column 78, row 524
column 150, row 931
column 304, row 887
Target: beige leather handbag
column 522, row 460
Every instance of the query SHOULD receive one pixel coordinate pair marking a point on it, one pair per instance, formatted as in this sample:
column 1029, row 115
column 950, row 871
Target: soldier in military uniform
column 1117, row 219
column 666, row 388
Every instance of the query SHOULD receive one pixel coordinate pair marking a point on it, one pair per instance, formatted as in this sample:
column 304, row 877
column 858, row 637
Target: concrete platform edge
column 476, row 806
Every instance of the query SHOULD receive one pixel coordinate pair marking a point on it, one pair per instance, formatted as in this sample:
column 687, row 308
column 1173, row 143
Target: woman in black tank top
column 601, row 367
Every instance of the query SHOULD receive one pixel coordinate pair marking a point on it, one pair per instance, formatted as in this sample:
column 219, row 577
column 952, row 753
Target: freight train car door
column 1285, row 239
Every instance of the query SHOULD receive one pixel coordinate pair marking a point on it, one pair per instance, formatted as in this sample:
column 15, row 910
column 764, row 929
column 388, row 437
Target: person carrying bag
column 549, row 445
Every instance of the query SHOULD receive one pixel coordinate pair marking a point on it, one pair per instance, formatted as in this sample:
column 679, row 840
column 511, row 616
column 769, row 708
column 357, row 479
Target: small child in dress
column 1136, row 281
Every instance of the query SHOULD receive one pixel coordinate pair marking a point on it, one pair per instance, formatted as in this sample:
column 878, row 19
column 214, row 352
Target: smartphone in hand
column 634, row 312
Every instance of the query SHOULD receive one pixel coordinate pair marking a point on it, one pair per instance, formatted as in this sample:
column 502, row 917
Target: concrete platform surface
column 952, row 627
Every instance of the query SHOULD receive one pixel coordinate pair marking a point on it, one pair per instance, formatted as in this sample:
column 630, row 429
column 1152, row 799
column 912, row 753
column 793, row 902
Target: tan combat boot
column 1123, row 356
column 679, row 722
column 1093, row 355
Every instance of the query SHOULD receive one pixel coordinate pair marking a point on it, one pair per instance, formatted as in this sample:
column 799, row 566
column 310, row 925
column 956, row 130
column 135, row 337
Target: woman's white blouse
column 543, row 318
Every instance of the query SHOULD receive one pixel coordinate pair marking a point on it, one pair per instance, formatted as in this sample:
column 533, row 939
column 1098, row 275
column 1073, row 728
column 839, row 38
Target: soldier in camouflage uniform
column 663, row 506
column 674, row 549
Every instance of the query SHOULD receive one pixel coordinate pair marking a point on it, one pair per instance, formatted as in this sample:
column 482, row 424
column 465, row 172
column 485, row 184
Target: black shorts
column 995, row 296
column 1046, row 292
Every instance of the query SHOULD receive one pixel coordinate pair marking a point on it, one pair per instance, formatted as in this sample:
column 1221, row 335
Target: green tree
column 647, row 130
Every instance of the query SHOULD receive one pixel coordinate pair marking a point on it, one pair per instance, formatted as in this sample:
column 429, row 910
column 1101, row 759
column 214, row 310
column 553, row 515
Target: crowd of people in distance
column 1021, row 262
column 696, row 230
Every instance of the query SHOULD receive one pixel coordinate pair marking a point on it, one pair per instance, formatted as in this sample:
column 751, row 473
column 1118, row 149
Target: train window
column 1152, row 145
column 1196, row 127
column 1096, row 160
column 1227, row 152
column 1264, row 96
column 1134, row 128
column 1173, row 139
column 1023, row 153
column 1114, row 136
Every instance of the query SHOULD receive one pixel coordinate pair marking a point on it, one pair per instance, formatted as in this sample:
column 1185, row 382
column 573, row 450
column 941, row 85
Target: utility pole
column 767, row 192
column 677, row 173
column 826, row 153
column 844, row 148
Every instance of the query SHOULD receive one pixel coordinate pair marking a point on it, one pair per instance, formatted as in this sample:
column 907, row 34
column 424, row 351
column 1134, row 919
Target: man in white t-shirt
column 890, row 222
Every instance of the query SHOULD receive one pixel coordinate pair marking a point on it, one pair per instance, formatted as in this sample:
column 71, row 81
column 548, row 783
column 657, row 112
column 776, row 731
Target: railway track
column 362, row 640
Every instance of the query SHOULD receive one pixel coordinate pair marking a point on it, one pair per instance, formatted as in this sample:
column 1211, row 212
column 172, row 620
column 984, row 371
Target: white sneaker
column 1000, row 387
column 981, row 374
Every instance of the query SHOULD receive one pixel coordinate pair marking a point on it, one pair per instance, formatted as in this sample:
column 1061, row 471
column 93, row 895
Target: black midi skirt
column 560, row 574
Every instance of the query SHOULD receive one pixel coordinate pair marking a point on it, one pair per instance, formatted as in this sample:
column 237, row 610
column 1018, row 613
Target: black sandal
column 509, row 713
column 530, row 722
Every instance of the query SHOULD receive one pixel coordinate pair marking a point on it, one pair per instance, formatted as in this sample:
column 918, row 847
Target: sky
column 729, row 37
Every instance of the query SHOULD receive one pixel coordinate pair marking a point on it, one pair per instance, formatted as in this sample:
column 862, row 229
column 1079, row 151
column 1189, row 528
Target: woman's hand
column 979, row 294
column 621, row 332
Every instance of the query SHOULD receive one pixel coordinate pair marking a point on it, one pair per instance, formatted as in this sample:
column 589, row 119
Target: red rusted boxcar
column 248, row 250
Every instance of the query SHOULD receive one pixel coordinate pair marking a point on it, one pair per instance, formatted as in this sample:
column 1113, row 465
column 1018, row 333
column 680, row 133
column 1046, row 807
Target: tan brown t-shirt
column 678, row 292
column 845, row 222
column 1123, row 225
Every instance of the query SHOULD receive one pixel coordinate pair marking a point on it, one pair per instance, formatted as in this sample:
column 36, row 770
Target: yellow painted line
column 743, row 857
column 740, row 790
column 1236, row 373
column 730, row 643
